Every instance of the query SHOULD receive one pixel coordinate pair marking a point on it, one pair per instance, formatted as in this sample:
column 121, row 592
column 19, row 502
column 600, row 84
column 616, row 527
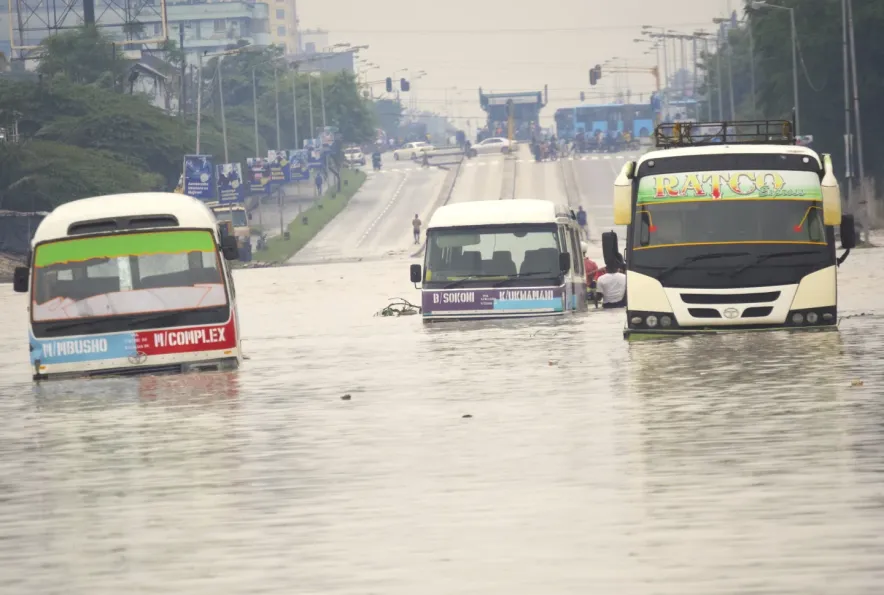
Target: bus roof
column 498, row 212
column 730, row 150
column 190, row 212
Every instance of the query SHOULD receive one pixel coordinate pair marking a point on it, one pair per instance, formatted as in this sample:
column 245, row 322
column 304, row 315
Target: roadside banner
column 298, row 166
column 259, row 175
column 279, row 165
column 314, row 153
column 199, row 177
column 230, row 182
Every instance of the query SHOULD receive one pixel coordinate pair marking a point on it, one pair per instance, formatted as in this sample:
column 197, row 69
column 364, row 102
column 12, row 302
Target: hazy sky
column 504, row 45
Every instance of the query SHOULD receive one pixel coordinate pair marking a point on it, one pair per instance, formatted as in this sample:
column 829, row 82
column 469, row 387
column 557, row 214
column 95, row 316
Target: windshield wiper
column 770, row 255
column 691, row 259
column 544, row 274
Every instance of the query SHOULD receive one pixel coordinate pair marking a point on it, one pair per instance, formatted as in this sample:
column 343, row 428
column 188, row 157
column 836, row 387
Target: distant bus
column 590, row 119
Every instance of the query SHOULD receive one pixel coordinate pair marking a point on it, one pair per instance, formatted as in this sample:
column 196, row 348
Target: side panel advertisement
column 230, row 183
column 199, row 177
column 730, row 185
column 492, row 301
column 138, row 345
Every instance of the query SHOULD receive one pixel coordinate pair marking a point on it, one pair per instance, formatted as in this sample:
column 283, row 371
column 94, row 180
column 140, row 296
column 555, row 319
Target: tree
column 820, row 75
column 83, row 55
column 388, row 114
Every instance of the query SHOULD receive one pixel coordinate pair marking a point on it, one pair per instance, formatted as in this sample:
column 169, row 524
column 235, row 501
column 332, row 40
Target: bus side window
column 576, row 253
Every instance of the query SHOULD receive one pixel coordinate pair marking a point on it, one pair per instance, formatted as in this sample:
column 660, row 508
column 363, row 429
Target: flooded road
column 742, row 464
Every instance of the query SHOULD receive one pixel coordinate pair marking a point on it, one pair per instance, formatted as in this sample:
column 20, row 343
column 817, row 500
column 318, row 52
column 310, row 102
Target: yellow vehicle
column 238, row 218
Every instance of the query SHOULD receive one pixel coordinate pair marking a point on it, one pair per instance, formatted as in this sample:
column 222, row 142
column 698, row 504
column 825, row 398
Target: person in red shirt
column 589, row 266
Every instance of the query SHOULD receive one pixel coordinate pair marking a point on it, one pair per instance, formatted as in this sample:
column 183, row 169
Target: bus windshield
column 237, row 216
column 500, row 251
column 728, row 207
column 126, row 274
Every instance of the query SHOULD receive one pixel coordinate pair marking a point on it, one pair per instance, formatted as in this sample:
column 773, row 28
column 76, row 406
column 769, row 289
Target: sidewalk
column 296, row 197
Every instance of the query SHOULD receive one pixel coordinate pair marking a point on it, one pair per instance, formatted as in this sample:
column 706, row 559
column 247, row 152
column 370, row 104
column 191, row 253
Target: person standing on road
column 318, row 183
column 416, row 224
column 581, row 221
column 612, row 286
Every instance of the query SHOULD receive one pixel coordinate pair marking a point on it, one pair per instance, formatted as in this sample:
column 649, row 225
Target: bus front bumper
column 209, row 365
column 815, row 319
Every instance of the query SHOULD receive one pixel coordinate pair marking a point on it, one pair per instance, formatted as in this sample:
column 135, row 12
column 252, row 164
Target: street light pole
column 276, row 94
column 719, row 77
column 295, row 104
column 859, row 135
column 199, row 98
column 322, row 93
column 310, row 101
column 848, row 144
column 795, row 70
column 223, row 119
column 255, row 109
column 752, row 68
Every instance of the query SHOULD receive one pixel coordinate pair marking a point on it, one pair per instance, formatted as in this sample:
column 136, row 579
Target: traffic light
column 595, row 74
column 582, row 97
column 404, row 85
column 389, row 85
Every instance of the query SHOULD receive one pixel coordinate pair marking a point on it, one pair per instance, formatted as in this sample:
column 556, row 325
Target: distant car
column 491, row 145
column 354, row 156
column 411, row 150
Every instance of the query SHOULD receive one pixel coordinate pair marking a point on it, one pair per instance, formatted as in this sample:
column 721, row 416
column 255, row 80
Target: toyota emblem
column 139, row 358
column 731, row 313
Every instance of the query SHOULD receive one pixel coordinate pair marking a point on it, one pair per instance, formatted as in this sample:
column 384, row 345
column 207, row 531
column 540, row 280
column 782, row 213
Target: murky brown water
column 736, row 464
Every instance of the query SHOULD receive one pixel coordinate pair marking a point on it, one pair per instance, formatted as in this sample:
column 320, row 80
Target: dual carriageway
column 377, row 222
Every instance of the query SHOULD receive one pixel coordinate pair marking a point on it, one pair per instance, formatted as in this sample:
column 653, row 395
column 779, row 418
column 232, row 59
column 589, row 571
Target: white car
column 491, row 146
column 411, row 150
column 354, row 156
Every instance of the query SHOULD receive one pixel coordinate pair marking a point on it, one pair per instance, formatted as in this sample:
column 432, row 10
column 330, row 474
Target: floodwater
column 740, row 464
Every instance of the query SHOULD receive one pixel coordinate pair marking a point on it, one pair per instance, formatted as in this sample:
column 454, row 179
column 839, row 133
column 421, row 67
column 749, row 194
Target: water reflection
column 717, row 464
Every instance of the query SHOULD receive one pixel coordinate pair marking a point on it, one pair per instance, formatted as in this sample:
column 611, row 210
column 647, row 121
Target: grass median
column 279, row 249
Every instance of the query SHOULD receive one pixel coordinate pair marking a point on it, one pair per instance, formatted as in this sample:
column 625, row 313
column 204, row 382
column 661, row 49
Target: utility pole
column 199, row 98
column 255, row 111
column 276, row 94
column 719, row 77
column 183, row 96
column 310, row 101
column 223, row 119
column 295, row 104
column 848, row 139
column 859, row 135
column 730, row 76
column 708, row 81
column 322, row 97
column 752, row 68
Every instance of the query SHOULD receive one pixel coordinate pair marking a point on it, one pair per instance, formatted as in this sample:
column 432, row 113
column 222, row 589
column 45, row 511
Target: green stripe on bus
column 135, row 244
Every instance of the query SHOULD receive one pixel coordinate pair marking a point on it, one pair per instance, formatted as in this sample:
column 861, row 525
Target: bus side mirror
column 415, row 273
column 831, row 194
column 250, row 216
column 20, row 279
column 623, row 195
column 610, row 248
column 564, row 262
column 229, row 248
column 848, row 233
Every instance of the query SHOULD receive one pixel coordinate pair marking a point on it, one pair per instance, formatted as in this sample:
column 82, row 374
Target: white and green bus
column 729, row 231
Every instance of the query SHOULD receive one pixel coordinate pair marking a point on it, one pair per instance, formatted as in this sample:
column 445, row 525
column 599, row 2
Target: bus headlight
column 797, row 317
column 812, row 317
column 665, row 321
column 651, row 321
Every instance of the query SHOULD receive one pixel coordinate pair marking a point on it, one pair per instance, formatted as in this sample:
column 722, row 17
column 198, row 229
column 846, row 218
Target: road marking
column 386, row 208
column 607, row 156
column 594, row 158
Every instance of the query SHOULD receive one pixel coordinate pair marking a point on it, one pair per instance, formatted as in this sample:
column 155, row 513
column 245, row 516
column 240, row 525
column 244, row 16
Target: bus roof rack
column 747, row 132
